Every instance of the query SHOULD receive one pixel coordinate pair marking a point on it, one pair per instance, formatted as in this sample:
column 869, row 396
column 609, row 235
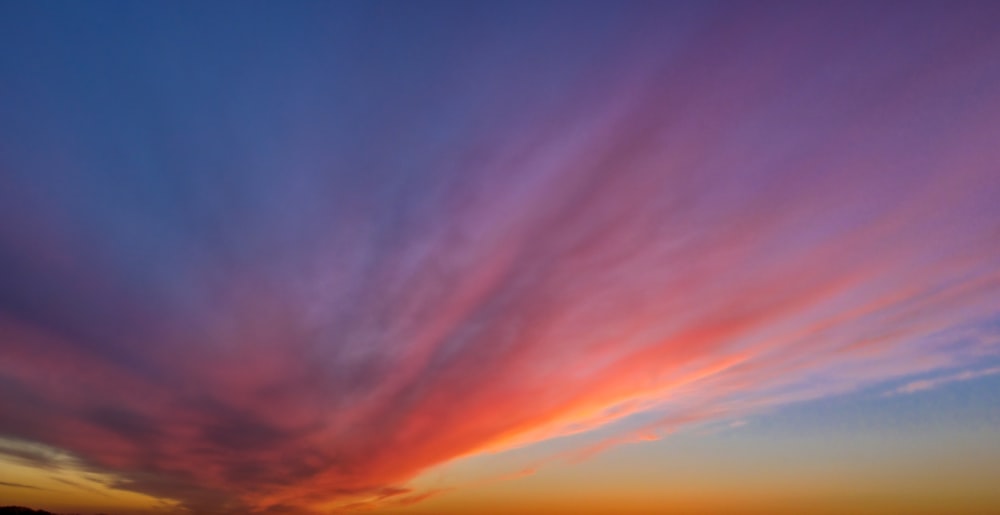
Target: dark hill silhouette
column 21, row 510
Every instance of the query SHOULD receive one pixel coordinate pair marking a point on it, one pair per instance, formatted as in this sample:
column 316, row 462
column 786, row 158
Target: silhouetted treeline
column 21, row 510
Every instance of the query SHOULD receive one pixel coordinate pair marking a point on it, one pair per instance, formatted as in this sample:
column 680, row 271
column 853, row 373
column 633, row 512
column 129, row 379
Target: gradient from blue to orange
column 524, row 257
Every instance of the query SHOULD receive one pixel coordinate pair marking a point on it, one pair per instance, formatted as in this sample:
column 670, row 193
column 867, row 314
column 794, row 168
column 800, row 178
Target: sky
column 441, row 258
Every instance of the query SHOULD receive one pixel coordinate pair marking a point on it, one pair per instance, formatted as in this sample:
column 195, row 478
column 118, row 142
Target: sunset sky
column 489, row 258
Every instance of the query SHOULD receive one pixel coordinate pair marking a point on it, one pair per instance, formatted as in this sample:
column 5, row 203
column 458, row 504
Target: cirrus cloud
column 295, row 295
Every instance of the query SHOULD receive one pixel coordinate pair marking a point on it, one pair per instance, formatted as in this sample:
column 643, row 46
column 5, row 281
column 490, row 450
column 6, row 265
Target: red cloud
column 749, row 222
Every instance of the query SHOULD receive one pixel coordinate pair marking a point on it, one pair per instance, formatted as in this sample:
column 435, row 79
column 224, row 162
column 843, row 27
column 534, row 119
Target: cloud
column 937, row 382
column 19, row 485
column 292, row 283
column 80, row 486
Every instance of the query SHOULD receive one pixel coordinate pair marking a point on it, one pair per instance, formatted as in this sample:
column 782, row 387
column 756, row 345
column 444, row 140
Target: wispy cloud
column 937, row 382
column 19, row 485
column 294, row 274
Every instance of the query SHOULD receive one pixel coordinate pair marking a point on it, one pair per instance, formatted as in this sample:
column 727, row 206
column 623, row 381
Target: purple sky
column 266, row 258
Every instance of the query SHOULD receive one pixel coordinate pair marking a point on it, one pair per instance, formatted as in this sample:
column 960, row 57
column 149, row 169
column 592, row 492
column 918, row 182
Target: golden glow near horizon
column 60, row 485
column 733, row 471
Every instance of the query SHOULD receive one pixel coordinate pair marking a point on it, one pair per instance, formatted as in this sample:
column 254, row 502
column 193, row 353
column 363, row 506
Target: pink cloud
column 937, row 382
column 769, row 215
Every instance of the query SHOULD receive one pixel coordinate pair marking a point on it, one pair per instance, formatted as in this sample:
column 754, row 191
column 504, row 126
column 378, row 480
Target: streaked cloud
column 936, row 382
column 381, row 240
column 19, row 485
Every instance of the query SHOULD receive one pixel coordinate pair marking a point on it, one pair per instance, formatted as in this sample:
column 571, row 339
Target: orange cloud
column 527, row 246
